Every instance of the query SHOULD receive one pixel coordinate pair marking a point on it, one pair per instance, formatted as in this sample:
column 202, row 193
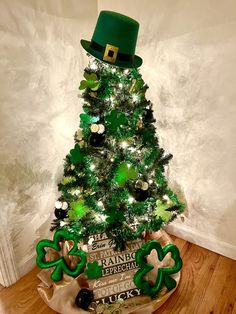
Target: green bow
column 91, row 82
column 163, row 274
column 60, row 263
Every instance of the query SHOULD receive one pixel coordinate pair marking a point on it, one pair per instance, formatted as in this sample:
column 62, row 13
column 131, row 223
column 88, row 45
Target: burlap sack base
column 61, row 296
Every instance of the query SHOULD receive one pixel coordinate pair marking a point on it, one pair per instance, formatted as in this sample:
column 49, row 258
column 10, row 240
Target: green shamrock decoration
column 78, row 210
column 60, row 263
column 94, row 271
column 116, row 120
column 91, row 82
column 124, row 173
column 163, row 275
column 77, row 156
column 162, row 211
column 115, row 217
column 85, row 121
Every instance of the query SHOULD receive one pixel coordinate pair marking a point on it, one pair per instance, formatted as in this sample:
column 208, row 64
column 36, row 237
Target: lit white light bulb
column 120, row 85
column 93, row 66
column 135, row 97
column 103, row 217
column 113, row 70
column 92, row 167
column 166, row 197
column 124, row 144
column 132, row 149
column 150, row 181
column 100, row 203
column 130, row 199
column 62, row 223
column 126, row 71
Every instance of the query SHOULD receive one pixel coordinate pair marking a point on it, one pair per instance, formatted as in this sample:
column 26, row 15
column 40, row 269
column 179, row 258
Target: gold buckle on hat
column 110, row 53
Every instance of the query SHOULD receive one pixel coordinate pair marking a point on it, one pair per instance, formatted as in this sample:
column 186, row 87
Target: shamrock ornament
column 78, row 209
column 116, row 120
column 94, row 271
column 162, row 211
column 86, row 120
column 124, row 173
column 163, row 275
column 91, row 81
column 60, row 263
column 77, row 156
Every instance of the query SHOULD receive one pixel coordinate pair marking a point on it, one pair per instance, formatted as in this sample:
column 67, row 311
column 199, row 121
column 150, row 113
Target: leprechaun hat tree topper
column 114, row 177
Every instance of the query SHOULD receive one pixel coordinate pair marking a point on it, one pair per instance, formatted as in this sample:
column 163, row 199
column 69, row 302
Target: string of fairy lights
column 114, row 178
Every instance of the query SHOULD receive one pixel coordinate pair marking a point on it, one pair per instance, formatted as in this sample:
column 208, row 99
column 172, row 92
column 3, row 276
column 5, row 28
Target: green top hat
column 114, row 40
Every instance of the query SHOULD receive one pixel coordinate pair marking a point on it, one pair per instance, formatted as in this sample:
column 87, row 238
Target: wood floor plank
column 200, row 268
column 207, row 286
column 23, row 298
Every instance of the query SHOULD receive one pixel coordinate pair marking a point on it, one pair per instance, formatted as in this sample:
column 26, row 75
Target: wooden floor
column 208, row 285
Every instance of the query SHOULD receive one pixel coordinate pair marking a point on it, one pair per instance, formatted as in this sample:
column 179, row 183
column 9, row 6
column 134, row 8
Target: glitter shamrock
column 162, row 210
column 91, row 81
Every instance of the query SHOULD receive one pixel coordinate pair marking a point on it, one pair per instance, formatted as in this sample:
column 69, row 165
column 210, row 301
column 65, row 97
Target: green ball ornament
column 60, row 264
column 163, row 274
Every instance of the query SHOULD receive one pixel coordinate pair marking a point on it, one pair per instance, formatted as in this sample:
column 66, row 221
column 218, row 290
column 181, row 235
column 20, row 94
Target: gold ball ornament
column 145, row 186
column 64, row 205
column 94, row 128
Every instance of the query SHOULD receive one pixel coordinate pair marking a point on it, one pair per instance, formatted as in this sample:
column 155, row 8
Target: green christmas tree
column 114, row 177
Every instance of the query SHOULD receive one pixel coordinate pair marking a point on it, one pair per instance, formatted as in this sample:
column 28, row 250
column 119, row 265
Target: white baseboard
column 26, row 265
column 203, row 240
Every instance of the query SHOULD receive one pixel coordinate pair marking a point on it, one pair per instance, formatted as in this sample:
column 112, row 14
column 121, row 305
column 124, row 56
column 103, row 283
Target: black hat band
column 110, row 53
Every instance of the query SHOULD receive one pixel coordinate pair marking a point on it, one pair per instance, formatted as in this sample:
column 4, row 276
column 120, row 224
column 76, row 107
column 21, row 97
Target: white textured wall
column 189, row 53
column 41, row 64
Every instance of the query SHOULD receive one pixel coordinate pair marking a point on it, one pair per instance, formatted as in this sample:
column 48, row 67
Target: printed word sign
column 118, row 268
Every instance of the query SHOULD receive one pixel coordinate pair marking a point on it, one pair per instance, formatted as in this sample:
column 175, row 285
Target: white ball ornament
column 64, row 205
column 101, row 128
column 58, row 204
column 145, row 186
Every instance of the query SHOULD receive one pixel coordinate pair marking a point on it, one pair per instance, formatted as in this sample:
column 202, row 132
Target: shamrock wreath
column 60, row 263
column 163, row 275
